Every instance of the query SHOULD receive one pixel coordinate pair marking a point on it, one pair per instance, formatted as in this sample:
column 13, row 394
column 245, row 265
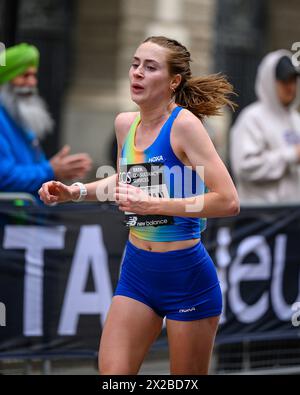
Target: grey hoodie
column 262, row 142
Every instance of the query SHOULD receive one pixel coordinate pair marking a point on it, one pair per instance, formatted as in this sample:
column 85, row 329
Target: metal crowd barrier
column 18, row 198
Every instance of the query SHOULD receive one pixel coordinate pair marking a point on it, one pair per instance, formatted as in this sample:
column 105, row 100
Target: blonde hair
column 203, row 96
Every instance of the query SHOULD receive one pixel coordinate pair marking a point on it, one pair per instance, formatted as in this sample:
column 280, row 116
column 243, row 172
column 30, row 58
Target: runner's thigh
column 129, row 330
column 192, row 354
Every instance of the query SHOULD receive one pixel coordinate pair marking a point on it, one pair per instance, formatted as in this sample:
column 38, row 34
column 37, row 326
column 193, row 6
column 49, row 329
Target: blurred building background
column 86, row 47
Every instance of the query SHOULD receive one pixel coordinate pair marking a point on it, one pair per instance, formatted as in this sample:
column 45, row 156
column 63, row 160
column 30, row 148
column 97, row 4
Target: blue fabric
column 191, row 184
column 23, row 165
column 181, row 285
column 186, row 183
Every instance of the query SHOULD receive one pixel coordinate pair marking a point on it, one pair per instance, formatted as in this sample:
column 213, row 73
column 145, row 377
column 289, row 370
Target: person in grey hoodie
column 265, row 139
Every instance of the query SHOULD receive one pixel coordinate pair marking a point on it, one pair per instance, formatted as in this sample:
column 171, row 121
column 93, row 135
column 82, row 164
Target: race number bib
column 150, row 178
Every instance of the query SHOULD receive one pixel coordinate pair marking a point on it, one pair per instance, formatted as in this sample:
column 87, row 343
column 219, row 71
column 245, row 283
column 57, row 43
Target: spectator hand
column 69, row 167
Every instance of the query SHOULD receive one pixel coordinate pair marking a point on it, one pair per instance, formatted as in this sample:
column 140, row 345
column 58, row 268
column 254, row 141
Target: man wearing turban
column 24, row 120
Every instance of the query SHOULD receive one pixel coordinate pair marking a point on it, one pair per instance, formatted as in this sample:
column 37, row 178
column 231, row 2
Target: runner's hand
column 132, row 199
column 57, row 192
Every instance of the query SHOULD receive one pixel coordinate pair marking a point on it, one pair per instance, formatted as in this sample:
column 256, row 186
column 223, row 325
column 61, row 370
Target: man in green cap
column 24, row 121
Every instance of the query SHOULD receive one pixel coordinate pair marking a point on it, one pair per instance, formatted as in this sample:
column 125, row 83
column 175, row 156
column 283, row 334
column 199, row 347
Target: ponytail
column 205, row 96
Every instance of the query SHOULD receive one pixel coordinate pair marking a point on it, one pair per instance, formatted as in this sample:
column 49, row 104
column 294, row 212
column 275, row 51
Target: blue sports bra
column 158, row 171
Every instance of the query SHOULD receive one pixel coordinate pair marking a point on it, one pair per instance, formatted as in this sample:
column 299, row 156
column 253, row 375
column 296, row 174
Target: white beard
column 27, row 109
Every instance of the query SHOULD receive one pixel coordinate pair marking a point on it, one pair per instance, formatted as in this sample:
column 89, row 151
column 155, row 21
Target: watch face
column 82, row 191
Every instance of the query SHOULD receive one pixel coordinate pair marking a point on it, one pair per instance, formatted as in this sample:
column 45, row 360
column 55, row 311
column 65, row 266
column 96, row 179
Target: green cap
column 17, row 60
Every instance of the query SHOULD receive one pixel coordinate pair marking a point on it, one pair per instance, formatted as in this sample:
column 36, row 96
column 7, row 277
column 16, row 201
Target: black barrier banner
column 59, row 267
column 257, row 255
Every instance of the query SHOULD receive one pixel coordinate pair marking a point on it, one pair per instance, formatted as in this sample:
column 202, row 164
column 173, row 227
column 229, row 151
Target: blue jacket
column 23, row 165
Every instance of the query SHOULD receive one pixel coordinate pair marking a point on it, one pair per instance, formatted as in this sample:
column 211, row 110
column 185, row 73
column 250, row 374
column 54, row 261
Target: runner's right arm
column 57, row 192
column 102, row 190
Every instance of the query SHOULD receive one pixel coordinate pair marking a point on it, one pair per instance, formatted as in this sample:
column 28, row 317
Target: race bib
column 150, row 178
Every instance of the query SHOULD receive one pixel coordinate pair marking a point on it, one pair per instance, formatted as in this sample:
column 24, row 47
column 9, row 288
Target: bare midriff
column 162, row 246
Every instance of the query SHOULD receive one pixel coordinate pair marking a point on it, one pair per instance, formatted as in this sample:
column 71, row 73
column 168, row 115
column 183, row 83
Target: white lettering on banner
column 296, row 315
column 281, row 308
column 223, row 260
column 240, row 271
column 34, row 240
column 2, row 314
column 90, row 252
column 230, row 276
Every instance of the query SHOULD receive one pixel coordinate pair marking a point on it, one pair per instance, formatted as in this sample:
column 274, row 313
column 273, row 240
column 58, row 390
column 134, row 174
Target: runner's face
column 149, row 75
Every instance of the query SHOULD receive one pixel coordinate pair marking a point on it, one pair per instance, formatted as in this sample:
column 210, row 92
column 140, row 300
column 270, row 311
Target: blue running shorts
column 179, row 285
